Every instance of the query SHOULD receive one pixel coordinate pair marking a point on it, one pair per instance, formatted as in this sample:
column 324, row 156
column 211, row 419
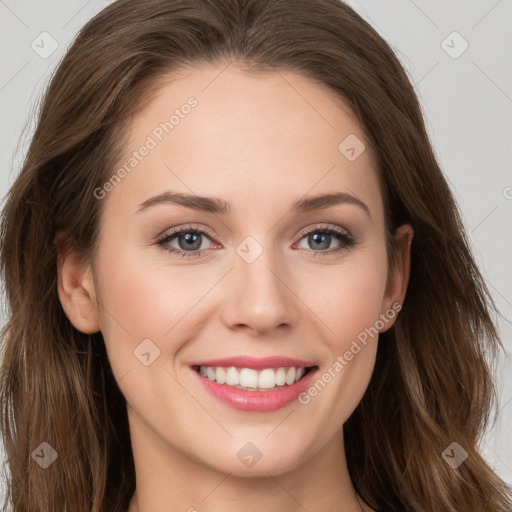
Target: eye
column 189, row 240
column 320, row 238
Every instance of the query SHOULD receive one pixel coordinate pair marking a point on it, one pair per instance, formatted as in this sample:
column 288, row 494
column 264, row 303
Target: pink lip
column 256, row 363
column 257, row 401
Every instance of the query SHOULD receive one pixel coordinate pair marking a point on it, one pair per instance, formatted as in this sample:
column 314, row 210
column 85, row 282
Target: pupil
column 191, row 239
column 324, row 236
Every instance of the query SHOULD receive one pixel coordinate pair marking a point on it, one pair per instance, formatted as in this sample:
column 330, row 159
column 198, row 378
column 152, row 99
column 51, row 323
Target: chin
column 245, row 459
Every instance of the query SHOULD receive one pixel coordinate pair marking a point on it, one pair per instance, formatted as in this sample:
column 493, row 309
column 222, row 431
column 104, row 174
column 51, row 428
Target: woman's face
column 269, row 280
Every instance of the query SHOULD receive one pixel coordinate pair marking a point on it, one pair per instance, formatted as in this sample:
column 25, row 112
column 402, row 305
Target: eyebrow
column 218, row 206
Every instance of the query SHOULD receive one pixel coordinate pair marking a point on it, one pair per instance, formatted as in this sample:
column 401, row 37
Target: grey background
column 466, row 99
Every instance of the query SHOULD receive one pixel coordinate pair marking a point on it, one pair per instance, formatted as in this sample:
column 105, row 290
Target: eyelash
column 342, row 235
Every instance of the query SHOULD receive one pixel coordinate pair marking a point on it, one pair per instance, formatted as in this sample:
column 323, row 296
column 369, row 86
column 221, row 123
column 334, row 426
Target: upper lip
column 256, row 362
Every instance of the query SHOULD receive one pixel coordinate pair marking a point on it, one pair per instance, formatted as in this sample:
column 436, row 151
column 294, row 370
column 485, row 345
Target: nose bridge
column 258, row 293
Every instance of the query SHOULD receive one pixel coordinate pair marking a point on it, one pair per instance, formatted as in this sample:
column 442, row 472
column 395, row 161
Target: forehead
column 246, row 138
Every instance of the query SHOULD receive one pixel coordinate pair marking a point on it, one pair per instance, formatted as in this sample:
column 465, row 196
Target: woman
column 177, row 340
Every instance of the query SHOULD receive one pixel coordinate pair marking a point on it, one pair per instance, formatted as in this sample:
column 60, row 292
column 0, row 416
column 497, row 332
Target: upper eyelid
column 324, row 226
column 185, row 229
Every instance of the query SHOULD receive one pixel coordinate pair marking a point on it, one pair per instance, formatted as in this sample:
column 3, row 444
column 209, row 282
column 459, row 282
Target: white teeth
column 232, row 376
column 220, row 375
column 244, row 378
column 280, row 377
column 248, row 378
column 267, row 379
column 290, row 375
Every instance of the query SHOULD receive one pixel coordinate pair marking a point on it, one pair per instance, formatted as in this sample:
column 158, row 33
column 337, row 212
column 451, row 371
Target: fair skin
column 260, row 143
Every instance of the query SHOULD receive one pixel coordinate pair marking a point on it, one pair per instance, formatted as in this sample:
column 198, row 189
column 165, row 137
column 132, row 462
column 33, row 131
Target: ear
column 76, row 287
column 398, row 277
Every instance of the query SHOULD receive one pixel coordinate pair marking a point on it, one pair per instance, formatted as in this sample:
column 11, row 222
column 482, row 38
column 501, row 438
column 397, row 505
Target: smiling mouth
column 249, row 379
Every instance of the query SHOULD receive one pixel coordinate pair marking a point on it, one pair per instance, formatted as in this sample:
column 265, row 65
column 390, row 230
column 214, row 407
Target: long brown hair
column 432, row 384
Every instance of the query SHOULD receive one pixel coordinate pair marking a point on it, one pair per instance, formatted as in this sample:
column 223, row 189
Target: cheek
column 349, row 303
column 141, row 300
column 348, row 298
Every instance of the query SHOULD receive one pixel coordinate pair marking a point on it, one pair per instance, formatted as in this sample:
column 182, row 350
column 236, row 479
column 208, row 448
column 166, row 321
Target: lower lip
column 258, row 401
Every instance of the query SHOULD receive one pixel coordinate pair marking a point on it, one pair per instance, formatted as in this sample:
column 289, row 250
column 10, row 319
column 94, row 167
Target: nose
column 258, row 295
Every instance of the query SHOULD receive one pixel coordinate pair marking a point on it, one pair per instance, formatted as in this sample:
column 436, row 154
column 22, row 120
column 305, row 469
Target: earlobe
column 398, row 278
column 76, row 288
